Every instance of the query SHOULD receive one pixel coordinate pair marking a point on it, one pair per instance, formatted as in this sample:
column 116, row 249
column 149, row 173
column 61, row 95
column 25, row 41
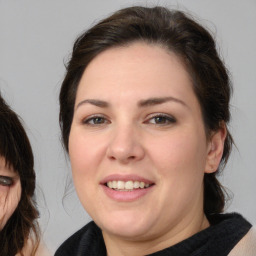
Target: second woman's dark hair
column 16, row 150
column 178, row 33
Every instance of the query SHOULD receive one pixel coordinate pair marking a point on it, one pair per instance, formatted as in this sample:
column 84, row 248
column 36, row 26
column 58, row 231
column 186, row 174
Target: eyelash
column 6, row 181
column 94, row 118
column 168, row 119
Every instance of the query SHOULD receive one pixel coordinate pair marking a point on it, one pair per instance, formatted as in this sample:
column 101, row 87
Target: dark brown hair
column 17, row 152
column 178, row 33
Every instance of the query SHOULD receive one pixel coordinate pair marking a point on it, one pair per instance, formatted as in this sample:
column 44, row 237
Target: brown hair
column 17, row 152
column 178, row 33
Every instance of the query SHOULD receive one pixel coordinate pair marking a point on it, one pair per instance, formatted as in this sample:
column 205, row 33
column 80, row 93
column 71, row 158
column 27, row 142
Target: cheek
column 85, row 154
column 180, row 159
column 9, row 200
column 180, row 149
column 180, row 165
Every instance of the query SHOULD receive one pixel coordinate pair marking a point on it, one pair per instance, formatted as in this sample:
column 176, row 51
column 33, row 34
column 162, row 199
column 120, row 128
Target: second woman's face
column 137, row 143
column 10, row 192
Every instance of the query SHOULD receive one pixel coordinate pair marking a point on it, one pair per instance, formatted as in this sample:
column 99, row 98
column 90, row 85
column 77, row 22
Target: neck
column 126, row 247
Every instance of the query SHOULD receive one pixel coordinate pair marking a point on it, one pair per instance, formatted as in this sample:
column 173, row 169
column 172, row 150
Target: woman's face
column 138, row 127
column 10, row 192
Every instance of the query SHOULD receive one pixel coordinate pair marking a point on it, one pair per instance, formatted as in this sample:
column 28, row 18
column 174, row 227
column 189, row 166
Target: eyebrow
column 98, row 103
column 157, row 101
column 141, row 103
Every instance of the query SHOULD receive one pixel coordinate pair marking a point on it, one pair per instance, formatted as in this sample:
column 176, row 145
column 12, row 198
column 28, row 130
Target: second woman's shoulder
column 88, row 238
column 32, row 248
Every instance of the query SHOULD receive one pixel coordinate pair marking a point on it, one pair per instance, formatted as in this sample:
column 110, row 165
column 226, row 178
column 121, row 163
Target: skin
column 42, row 250
column 126, row 137
column 9, row 194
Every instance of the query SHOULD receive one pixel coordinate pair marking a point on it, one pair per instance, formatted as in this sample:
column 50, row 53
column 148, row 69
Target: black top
column 219, row 239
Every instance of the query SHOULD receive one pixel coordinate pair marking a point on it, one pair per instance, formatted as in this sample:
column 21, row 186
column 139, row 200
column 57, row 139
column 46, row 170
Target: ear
column 215, row 149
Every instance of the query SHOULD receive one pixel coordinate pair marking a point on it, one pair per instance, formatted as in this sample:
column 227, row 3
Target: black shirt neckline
column 219, row 239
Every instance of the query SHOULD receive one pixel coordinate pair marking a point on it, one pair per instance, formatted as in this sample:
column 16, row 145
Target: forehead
column 148, row 67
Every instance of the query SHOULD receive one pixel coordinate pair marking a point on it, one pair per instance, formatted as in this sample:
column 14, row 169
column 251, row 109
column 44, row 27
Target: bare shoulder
column 247, row 245
column 43, row 250
column 28, row 249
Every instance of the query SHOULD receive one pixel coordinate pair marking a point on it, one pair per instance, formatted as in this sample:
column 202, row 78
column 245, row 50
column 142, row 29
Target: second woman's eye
column 161, row 119
column 95, row 120
column 5, row 181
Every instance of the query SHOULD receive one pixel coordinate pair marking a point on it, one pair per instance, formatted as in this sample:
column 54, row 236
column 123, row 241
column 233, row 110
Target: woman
column 19, row 233
column 144, row 108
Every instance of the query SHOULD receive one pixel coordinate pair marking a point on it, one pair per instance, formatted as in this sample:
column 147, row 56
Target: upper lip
column 129, row 177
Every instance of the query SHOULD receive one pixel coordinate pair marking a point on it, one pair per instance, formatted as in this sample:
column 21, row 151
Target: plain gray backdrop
column 36, row 37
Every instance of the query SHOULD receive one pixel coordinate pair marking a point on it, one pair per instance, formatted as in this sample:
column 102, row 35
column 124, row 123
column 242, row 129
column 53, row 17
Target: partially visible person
column 19, row 230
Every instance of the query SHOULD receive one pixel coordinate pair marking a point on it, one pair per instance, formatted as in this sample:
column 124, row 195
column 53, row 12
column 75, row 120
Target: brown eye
column 5, row 181
column 161, row 119
column 96, row 120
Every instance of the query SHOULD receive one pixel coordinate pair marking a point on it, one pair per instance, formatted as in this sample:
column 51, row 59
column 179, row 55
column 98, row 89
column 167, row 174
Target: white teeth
column 120, row 184
column 110, row 185
column 136, row 184
column 142, row 184
column 128, row 185
column 114, row 184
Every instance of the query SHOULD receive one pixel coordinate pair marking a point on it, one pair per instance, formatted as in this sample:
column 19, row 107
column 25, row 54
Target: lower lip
column 126, row 196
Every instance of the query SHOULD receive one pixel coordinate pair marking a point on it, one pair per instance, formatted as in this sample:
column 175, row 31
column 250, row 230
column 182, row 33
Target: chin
column 124, row 225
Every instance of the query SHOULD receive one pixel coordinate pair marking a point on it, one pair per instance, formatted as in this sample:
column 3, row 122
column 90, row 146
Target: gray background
column 36, row 37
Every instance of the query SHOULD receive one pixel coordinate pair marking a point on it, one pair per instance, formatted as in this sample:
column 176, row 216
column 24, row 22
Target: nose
column 125, row 145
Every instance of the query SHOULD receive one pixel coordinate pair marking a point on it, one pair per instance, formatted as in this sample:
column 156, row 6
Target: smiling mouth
column 119, row 185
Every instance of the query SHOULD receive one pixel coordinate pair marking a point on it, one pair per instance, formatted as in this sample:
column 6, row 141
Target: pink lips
column 125, row 196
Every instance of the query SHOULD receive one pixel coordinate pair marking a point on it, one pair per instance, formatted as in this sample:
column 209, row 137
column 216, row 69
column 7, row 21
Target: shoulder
column 32, row 248
column 224, row 233
column 42, row 250
column 87, row 238
column 234, row 233
column 247, row 245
